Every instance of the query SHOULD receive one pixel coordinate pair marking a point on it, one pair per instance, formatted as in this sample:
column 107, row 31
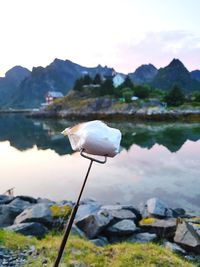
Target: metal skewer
column 75, row 208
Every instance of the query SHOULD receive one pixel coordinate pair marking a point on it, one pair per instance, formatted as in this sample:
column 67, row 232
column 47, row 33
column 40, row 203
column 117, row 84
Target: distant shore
column 150, row 115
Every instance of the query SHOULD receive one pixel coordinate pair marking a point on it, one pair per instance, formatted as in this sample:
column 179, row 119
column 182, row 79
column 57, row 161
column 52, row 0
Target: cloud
column 159, row 48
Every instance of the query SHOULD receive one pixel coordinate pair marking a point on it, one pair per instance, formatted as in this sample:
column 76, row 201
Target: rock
column 4, row 199
column 187, row 237
column 45, row 200
column 93, row 224
column 156, row 208
column 31, row 200
column 20, row 204
column 8, row 214
column 124, row 227
column 37, row 213
column 162, row 228
column 178, row 212
column 100, row 241
column 174, row 247
column 87, row 209
column 142, row 238
column 76, row 231
column 34, row 229
column 118, row 213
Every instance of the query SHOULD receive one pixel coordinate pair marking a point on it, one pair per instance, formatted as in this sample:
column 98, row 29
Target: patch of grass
column 15, row 241
column 80, row 251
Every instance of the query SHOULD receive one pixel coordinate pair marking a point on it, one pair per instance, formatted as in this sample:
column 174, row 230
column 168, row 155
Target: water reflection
column 156, row 160
column 23, row 133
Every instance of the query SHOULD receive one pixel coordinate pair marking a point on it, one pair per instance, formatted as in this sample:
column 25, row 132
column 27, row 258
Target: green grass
column 82, row 251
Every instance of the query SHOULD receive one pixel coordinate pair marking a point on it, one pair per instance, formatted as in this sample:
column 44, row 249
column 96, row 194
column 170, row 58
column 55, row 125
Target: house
column 52, row 95
column 118, row 79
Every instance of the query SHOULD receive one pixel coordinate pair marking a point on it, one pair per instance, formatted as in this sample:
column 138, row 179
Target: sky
column 118, row 33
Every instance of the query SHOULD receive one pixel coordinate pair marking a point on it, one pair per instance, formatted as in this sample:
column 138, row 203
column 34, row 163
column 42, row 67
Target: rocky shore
column 150, row 114
column 154, row 221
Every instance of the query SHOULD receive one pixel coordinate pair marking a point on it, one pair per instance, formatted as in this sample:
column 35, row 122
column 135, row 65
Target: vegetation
column 82, row 251
column 175, row 97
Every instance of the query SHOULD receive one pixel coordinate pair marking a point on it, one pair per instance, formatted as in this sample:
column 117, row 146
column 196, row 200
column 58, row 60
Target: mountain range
column 22, row 88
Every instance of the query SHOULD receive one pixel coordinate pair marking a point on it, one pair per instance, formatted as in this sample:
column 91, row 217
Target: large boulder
column 162, row 228
column 4, row 199
column 93, row 224
column 40, row 213
column 100, row 241
column 156, row 208
column 87, row 209
column 20, row 204
column 187, row 237
column 34, row 229
column 29, row 199
column 124, row 227
column 142, row 237
column 8, row 214
column 118, row 213
column 174, row 247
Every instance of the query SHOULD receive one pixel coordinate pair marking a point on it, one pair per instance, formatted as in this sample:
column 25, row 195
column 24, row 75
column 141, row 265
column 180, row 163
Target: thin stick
column 71, row 220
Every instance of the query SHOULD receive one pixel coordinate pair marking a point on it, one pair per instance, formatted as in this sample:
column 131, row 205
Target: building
column 52, row 95
column 118, row 79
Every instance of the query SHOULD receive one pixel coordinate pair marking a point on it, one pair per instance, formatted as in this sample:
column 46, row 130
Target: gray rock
column 87, row 209
column 46, row 201
column 4, row 199
column 118, row 213
column 100, row 241
column 178, row 212
column 76, row 231
column 142, row 238
column 34, row 229
column 187, row 237
column 124, row 227
column 155, row 207
column 8, row 214
column 37, row 213
column 31, row 200
column 20, row 204
column 174, row 247
column 93, row 224
column 162, row 228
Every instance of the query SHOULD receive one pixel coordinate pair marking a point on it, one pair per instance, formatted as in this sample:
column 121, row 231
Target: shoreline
column 168, row 115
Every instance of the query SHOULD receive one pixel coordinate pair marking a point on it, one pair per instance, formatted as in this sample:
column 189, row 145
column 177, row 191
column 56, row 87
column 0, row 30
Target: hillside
column 175, row 73
column 10, row 83
column 143, row 74
column 60, row 76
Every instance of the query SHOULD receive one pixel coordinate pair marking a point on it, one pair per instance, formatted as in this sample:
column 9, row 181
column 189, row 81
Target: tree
column 196, row 96
column 107, row 87
column 141, row 91
column 127, row 94
column 175, row 97
column 87, row 80
column 78, row 85
column 127, row 82
column 97, row 79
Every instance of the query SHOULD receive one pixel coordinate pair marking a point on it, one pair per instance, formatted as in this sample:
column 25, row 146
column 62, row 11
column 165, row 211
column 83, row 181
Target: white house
column 118, row 79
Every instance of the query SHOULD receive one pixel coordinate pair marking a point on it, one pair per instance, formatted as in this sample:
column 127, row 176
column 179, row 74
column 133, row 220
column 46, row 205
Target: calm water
column 156, row 159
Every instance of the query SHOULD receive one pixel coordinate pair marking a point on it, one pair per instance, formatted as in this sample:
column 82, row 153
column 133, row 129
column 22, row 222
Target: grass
column 79, row 251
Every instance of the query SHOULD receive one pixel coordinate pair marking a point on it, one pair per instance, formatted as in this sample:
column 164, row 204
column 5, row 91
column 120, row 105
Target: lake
column 156, row 160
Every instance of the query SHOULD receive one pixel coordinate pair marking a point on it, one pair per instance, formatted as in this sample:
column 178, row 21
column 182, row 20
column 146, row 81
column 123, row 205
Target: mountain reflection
column 24, row 133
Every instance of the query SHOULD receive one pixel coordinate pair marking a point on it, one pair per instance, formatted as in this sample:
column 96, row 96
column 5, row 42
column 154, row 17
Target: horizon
column 122, row 35
column 101, row 66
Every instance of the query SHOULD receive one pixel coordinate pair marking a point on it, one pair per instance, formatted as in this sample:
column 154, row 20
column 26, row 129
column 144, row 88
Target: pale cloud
column 122, row 34
column 159, row 48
